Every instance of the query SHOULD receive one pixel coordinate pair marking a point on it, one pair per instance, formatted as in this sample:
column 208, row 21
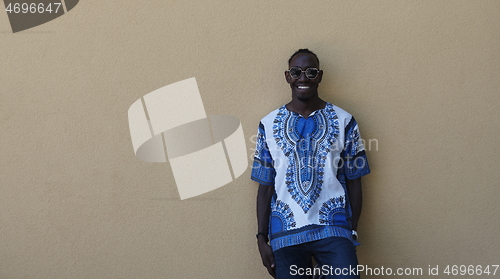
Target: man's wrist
column 262, row 236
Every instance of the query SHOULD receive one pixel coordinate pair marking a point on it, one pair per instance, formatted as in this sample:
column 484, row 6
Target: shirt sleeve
column 263, row 168
column 354, row 156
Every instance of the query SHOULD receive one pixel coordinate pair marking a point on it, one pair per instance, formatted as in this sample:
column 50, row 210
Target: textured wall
column 421, row 77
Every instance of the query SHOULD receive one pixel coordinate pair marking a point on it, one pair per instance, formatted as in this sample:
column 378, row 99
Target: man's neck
column 305, row 108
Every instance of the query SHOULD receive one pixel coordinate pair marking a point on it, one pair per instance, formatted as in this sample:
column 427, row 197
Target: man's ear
column 287, row 77
column 320, row 76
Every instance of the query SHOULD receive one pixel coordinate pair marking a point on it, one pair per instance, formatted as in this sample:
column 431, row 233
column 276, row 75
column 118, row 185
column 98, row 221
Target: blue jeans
column 336, row 258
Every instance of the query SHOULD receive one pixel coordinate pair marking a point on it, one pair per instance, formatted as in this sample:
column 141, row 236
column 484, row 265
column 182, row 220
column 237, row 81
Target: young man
column 309, row 161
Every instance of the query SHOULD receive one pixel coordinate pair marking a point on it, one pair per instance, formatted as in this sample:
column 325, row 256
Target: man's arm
column 356, row 199
column 264, row 196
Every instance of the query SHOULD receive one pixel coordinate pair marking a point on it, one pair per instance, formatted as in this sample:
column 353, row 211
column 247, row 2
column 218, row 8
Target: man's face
column 303, row 88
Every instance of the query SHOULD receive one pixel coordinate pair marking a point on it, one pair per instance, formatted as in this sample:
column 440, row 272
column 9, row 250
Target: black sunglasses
column 296, row 72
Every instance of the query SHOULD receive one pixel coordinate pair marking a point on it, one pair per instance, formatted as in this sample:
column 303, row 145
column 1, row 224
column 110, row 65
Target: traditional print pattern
column 263, row 170
column 333, row 211
column 306, row 153
column 352, row 138
column 281, row 216
column 354, row 155
column 307, row 161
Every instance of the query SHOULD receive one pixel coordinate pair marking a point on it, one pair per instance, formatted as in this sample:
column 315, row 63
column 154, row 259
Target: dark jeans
column 336, row 258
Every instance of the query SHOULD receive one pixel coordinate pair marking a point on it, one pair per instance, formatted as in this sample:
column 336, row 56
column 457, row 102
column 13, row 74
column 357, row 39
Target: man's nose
column 303, row 76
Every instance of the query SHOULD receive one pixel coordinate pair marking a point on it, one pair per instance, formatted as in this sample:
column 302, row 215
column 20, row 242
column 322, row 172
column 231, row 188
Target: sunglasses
column 296, row 72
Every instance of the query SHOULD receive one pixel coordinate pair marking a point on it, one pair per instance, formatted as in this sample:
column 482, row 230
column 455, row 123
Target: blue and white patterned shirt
column 308, row 161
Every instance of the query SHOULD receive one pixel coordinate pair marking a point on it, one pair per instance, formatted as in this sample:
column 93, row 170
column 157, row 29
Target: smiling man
column 309, row 161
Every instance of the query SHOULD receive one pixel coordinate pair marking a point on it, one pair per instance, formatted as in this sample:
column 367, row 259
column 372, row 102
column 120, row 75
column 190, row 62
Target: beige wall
column 421, row 77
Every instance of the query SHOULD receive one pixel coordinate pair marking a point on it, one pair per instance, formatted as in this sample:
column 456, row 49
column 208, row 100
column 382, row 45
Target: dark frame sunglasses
column 296, row 72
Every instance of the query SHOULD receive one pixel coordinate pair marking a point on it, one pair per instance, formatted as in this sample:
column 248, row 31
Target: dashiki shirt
column 308, row 161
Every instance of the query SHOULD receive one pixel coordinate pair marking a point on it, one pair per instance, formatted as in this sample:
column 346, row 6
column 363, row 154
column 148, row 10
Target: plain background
column 422, row 79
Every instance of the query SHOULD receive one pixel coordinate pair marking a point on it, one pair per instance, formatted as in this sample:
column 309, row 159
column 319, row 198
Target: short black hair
column 303, row 50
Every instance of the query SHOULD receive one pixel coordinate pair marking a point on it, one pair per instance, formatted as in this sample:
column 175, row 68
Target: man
column 309, row 160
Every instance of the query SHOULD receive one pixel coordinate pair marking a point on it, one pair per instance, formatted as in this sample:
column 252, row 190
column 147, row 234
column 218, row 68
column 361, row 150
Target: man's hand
column 266, row 254
column 264, row 197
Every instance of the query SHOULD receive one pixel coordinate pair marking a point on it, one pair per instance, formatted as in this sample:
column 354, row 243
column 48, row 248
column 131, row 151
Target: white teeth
column 303, row 87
